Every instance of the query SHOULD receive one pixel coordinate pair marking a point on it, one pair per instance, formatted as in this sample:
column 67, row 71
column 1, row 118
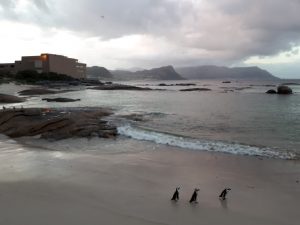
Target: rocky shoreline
column 57, row 124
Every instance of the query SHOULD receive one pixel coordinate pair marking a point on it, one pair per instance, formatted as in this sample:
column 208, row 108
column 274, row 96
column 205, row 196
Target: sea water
column 235, row 118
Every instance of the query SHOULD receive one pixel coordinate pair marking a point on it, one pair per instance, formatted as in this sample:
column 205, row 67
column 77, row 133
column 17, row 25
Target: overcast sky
column 152, row 33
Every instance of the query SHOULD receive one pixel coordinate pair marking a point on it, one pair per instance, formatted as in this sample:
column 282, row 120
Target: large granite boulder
column 284, row 90
column 37, row 91
column 271, row 91
column 196, row 89
column 56, row 124
column 60, row 100
column 10, row 99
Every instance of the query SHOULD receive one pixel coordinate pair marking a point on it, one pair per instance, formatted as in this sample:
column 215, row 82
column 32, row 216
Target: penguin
column 224, row 193
column 176, row 195
column 194, row 196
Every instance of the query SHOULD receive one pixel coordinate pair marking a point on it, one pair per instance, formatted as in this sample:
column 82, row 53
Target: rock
column 120, row 87
column 271, row 91
column 10, row 99
column 164, row 85
column 37, row 91
column 284, row 90
column 186, row 84
column 60, row 100
column 226, row 82
column 196, row 89
column 57, row 123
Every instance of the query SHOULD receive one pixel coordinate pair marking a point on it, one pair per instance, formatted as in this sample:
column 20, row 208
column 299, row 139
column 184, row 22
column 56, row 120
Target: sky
column 152, row 33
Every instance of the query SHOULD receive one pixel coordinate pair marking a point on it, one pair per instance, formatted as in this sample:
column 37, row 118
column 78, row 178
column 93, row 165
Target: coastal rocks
column 120, row 87
column 272, row 91
column 284, row 90
column 56, row 124
column 60, row 100
column 196, row 89
column 37, row 91
column 179, row 84
column 10, row 99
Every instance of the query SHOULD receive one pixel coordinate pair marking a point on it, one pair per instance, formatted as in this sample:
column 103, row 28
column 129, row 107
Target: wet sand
column 55, row 187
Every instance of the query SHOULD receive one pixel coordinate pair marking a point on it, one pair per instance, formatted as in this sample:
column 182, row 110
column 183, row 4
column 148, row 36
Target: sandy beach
column 56, row 187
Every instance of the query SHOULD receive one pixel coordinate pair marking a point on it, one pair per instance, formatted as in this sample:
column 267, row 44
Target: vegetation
column 31, row 76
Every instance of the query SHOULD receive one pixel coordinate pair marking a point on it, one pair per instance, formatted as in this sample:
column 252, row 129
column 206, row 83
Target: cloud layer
column 176, row 31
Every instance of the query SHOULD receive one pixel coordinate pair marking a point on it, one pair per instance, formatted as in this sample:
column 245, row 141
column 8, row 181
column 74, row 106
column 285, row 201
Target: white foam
column 203, row 145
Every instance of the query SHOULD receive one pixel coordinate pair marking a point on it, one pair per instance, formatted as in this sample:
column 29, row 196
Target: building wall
column 46, row 63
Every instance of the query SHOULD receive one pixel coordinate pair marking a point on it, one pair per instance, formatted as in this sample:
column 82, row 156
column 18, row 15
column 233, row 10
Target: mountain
column 162, row 73
column 217, row 72
column 97, row 72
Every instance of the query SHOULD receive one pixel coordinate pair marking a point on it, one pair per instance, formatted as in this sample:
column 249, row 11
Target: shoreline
column 136, row 188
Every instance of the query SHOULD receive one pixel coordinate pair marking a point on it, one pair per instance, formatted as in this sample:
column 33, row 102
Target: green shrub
column 32, row 76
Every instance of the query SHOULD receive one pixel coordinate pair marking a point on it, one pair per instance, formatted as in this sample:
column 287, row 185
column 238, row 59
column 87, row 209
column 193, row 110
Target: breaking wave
column 202, row 145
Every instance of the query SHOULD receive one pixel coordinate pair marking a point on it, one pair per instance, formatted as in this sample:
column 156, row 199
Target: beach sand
column 55, row 187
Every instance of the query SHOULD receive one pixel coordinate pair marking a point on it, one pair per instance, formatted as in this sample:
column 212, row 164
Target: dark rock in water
column 120, row 87
column 10, row 99
column 37, row 91
column 196, row 89
column 57, row 123
column 186, row 84
column 60, row 100
column 272, row 91
column 284, row 90
column 295, row 84
column 226, row 82
column 165, row 85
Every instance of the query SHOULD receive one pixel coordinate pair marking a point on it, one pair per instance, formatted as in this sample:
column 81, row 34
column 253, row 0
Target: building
column 47, row 63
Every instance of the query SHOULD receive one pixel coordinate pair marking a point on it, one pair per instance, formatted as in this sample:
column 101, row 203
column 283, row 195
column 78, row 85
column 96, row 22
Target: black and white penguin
column 176, row 195
column 194, row 196
column 224, row 193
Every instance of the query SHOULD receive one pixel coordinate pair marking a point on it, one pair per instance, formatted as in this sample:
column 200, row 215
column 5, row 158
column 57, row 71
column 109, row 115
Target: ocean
column 234, row 118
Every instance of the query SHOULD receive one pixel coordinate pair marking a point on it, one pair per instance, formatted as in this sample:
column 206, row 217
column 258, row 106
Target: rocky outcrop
column 56, row 124
column 120, row 87
column 37, row 91
column 272, row 91
column 196, row 89
column 10, row 99
column 60, row 100
column 284, row 90
column 179, row 84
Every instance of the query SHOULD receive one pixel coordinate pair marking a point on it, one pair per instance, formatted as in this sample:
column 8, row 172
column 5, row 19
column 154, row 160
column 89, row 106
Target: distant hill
column 162, row 73
column 98, row 72
column 217, row 72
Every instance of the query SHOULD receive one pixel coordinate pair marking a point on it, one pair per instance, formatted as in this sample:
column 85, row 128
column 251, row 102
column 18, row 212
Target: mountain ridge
column 223, row 72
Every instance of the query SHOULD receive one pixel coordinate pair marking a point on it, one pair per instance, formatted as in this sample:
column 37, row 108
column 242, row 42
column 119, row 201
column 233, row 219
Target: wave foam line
column 203, row 145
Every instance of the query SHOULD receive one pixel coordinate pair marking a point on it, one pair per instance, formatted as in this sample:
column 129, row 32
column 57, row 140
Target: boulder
column 60, row 100
column 271, row 91
column 196, row 89
column 37, row 91
column 56, row 124
column 120, row 87
column 284, row 90
column 10, row 99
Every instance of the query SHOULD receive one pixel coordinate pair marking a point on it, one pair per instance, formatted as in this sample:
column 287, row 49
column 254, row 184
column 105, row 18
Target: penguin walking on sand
column 176, row 195
column 194, row 196
column 224, row 193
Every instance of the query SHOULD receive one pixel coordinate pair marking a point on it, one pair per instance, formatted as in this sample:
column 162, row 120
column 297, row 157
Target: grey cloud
column 224, row 30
